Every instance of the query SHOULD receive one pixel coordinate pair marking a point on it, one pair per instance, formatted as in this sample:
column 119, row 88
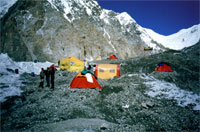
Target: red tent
column 113, row 57
column 163, row 67
column 84, row 81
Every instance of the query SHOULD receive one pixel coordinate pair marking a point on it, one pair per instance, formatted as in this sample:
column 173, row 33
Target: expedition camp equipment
column 85, row 81
column 163, row 67
column 147, row 49
column 71, row 64
column 113, row 57
column 107, row 71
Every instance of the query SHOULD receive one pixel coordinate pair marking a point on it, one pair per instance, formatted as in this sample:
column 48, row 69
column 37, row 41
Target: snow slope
column 5, row 5
column 125, row 19
column 73, row 7
column 177, row 41
column 161, row 89
column 10, row 82
column 183, row 38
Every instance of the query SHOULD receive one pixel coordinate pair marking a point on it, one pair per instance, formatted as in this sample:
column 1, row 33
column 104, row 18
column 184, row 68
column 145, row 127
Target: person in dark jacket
column 52, row 73
column 41, row 78
column 47, row 74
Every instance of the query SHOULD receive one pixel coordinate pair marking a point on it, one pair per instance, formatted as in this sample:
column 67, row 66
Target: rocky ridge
column 51, row 30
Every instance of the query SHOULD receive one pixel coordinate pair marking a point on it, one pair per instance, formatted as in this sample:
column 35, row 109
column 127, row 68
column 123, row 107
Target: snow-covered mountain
column 54, row 29
column 183, row 38
column 139, row 100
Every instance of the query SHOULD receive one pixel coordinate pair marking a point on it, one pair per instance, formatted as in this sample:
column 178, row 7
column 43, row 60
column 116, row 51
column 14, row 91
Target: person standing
column 85, row 64
column 47, row 73
column 41, row 78
column 52, row 73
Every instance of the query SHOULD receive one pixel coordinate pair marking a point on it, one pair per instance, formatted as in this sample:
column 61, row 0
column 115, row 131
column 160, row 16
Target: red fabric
column 96, row 71
column 80, row 81
column 118, row 71
column 41, row 71
column 113, row 57
column 53, row 66
column 164, row 68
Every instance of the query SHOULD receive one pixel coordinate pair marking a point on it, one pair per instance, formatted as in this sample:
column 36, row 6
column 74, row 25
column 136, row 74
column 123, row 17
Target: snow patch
column 89, row 11
column 132, row 75
column 10, row 82
column 10, row 86
column 40, row 31
column 69, row 8
column 125, row 106
column 30, row 67
column 161, row 89
column 5, row 5
column 106, row 35
column 104, row 16
column 147, row 39
column 125, row 19
column 51, row 2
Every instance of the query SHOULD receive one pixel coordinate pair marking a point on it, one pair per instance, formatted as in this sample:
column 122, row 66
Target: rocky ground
column 122, row 105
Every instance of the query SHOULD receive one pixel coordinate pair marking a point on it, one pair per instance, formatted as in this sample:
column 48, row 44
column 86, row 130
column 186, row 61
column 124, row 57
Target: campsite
column 124, row 103
column 99, row 66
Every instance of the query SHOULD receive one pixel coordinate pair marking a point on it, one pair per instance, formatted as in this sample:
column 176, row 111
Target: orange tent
column 163, row 67
column 113, row 57
column 84, row 81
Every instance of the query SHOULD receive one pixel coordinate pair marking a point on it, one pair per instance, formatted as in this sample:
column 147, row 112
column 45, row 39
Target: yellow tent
column 71, row 64
column 149, row 48
column 106, row 71
column 98, row 58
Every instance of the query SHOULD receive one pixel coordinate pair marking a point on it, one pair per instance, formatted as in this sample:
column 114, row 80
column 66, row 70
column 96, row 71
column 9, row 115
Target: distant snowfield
column 161, row 89
column 177, row 41
column 10, row 82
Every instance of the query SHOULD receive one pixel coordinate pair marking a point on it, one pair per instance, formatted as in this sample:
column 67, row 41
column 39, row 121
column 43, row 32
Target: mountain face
column 53, row 29
column 50, row 30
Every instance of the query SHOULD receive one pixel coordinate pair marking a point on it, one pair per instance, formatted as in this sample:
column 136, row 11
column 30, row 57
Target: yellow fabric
column 106, row 71
column 79, row 75
column 98, row 58
column 71, row 64
column 149, row 48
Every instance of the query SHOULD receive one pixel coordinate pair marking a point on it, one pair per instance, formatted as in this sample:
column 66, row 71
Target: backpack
column 42, row 74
